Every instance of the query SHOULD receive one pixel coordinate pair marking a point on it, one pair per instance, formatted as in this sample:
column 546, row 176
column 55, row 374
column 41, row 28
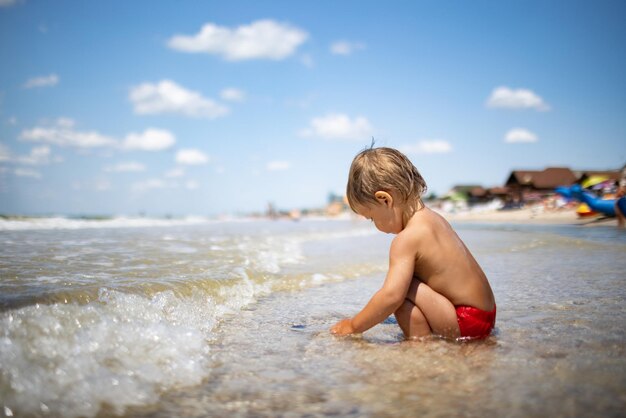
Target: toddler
column 433, row 285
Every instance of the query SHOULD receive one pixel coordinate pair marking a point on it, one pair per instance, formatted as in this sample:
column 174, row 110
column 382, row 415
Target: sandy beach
column 532, row 215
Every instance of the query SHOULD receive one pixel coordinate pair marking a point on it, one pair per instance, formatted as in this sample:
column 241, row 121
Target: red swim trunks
column 475, row 323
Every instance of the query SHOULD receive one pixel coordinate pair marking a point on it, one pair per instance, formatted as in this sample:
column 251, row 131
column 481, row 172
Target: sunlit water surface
column 232, row 319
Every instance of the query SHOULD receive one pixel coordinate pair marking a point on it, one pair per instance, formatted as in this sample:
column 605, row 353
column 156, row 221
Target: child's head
column 388, row 170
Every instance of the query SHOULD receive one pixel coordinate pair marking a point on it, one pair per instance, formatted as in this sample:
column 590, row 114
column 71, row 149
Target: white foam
column 122, row 350
column 126, row 349
column 318, row 279
column 117, row 222
column 242, row 293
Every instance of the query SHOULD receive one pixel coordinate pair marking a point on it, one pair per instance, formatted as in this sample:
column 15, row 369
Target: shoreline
column 535, row 215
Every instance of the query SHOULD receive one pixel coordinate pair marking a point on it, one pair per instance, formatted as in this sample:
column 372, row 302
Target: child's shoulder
column 423, row 226
column 423, row 222
column 417, row 231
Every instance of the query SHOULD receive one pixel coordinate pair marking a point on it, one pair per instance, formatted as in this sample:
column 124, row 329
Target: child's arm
column 389, row 298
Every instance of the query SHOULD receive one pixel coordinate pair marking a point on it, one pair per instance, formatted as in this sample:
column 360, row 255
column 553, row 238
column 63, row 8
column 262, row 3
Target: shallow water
column 232, row 319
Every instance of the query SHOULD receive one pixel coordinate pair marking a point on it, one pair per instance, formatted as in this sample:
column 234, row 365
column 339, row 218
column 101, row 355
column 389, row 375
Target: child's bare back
column 443, row 262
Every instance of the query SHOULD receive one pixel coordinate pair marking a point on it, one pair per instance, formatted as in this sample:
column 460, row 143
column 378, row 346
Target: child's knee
column 411, row 320
column 410, row 311
column 404, row 310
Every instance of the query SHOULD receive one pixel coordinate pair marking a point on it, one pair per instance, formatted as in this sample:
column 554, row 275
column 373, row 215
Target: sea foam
column 155, row 303
column 122, row 350
column 58, row 222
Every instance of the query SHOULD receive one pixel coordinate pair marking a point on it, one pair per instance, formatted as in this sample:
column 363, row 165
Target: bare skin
column 621, row 217
column 430, row 272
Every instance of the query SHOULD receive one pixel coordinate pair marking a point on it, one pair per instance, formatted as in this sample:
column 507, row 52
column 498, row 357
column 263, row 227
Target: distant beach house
column 531, row 185
column 613, row 175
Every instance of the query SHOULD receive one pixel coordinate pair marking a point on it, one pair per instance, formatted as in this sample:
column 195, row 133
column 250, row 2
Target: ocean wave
column 96, row 323
column 19, row 224
column 120, row 350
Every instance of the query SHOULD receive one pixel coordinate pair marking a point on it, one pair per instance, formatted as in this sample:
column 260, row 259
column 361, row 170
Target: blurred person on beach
column 434, row 286
column 620, row 201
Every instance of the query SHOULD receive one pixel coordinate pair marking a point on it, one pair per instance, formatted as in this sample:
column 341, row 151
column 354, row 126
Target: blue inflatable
column 621, row 204
column 606, row 207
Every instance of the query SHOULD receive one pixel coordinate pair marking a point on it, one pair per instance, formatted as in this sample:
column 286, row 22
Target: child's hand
column 343, row 327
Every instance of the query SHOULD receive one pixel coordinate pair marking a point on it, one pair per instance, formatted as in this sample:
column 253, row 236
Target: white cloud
column 151, row 139
column 169, row 97
column 45, row 81
column 62, row 133
column 338, row 126
column 263, row 39
column 504, row 97
column 175, row 172
column 26, row 172
column 12, row 121
column 278, row 166
column 233, row 95
column 38, row 155
column 346, row 47
column 7, row 3
column 520, row 135
column 128, row 166
column 66, row 122
column 428, row 146
column 191, row 157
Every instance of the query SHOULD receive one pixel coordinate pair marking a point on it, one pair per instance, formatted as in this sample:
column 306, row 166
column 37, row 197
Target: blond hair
column 388, row 170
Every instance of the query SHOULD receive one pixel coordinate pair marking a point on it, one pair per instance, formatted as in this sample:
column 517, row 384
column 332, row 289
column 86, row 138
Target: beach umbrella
column 593, row 180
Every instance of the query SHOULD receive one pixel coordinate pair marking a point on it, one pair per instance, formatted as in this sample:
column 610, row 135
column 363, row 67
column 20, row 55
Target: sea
column 230, row 318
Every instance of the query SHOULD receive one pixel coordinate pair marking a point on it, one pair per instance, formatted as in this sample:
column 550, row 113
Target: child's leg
column 438, row 311
column 411, row 320
column 621, row 217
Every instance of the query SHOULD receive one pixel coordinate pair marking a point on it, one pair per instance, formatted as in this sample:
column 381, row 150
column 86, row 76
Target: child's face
column 386, row 215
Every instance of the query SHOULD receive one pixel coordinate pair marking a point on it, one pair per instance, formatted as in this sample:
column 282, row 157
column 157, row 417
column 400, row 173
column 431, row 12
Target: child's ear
column 384, row 198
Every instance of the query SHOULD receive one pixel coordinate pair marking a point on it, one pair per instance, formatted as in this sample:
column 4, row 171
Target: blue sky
column 207, row 108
